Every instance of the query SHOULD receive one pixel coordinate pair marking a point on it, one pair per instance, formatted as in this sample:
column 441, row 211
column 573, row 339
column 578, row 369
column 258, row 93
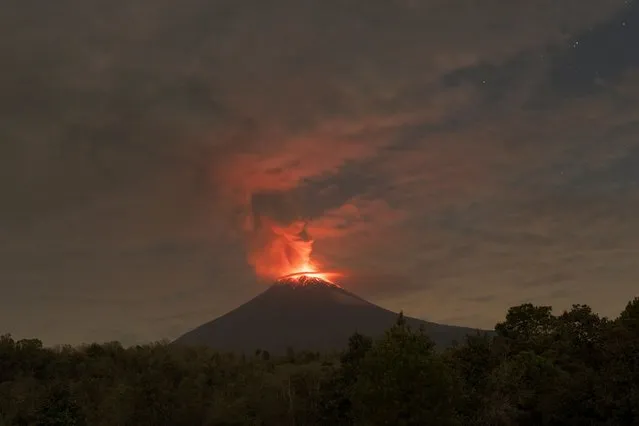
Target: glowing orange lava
column 324, row 276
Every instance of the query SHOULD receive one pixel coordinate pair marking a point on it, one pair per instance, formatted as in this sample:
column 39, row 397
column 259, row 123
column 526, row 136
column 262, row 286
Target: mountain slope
column 312, row 315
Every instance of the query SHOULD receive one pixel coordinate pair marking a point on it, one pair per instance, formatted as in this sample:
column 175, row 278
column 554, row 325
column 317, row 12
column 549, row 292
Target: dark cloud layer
column 456, row 157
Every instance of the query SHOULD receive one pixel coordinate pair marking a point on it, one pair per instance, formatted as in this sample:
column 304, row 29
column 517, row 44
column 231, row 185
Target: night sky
column 453, row 157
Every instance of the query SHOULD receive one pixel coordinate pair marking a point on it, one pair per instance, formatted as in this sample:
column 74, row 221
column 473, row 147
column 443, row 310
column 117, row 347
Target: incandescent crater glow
column 307, row 278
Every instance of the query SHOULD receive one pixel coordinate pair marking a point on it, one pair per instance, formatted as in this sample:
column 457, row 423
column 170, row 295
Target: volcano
column 305, row 312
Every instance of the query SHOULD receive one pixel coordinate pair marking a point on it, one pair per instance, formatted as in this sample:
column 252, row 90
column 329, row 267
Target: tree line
column 575, row 368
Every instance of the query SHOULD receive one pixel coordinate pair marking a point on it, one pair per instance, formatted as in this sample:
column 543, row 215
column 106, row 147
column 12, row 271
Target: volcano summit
column 305, row 312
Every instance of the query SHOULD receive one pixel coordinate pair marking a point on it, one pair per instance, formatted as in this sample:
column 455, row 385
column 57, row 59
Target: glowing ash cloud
column 277, row 250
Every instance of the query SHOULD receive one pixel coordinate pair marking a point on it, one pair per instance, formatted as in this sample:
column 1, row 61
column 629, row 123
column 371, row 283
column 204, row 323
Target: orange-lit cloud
column 278, row 250
column 273, row 249
column 356, row 216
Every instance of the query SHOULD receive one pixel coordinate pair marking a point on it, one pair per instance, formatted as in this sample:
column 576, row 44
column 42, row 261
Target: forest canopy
column 575, row 368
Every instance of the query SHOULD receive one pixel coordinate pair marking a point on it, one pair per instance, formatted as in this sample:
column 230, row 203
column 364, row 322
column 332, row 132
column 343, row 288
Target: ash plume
column 275, row 249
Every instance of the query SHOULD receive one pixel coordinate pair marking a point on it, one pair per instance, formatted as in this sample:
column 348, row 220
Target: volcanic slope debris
column 305, row 312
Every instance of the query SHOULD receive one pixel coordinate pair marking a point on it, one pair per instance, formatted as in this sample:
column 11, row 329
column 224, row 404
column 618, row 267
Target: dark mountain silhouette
column 306, row 314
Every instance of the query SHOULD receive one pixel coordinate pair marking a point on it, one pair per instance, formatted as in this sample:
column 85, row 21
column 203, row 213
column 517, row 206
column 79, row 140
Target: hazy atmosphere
column 448, row 158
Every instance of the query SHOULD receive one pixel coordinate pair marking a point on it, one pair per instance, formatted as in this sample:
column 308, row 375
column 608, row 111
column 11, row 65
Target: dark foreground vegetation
column 539, row 369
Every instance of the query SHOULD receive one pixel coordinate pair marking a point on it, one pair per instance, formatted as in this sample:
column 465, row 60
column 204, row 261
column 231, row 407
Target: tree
column 59, row 408
column 402, row 381
column 527, row 327
column 523, row 390
column 335, row 403
column 473, row 364
column 619, row 379
column 358, row 347
column 629, row 318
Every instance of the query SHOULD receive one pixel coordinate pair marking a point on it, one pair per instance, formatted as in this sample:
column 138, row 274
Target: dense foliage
column 539, row 369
